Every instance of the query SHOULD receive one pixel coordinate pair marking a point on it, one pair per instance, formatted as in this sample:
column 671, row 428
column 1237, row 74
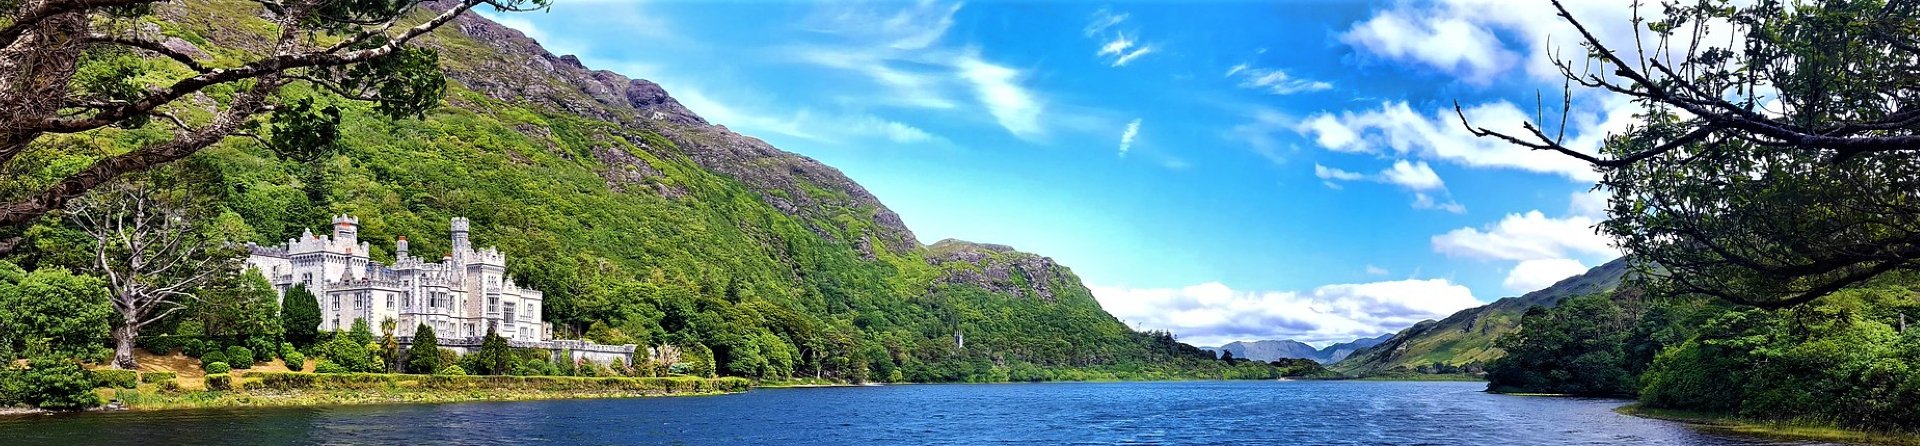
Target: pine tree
column 494, row 357
column 423, row 356
column 300, row 316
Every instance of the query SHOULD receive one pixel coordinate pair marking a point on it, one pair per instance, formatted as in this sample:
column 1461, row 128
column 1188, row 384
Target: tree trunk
column 123, row 346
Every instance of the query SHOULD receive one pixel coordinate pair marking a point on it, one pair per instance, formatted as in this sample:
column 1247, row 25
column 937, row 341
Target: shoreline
column 1733, row 425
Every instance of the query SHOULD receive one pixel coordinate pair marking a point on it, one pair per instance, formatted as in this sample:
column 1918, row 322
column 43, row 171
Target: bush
column 296, row 361
column 452, row 370
column 213, row 357
column 326, row 366
column 220, row 381
column 286, row 349
column 349, row 355
column 48, row 384
column 240, row 357
column 218, row 367
column 115, row 378
column 157, row 377
column 197, row 348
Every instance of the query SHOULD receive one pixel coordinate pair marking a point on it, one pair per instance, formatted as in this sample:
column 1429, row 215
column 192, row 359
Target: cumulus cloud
column 1395, row 129
column 1535, row 274
column 1213, row 313
column 1591, row 204
column 1470, row 39
column 1126, row 136
column 1416, row 177
column 1527, row 236
column 1451, row 44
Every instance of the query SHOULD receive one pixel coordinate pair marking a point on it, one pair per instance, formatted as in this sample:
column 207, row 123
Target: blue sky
column 1226, row 170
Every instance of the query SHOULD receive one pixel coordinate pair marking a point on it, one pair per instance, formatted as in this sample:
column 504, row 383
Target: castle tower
column 346, row 230
column 400, row 248
column 460, row 242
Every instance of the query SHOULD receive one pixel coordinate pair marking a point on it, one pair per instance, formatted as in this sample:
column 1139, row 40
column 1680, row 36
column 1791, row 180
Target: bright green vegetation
column 1463, row 343
column 729, row 261
column 1844, row 361
column 264, row 389
column 1772, row 428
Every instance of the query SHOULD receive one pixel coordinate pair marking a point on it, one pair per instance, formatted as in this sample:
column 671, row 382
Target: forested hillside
column 642, row 222
column 1464, row 341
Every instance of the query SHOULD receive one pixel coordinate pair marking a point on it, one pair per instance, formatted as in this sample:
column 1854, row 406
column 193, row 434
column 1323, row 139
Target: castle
column 462, row 296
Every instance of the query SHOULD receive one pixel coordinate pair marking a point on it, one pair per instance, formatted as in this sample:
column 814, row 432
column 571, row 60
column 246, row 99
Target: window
column 493, row 304
column 508, row 315
column 389, row 301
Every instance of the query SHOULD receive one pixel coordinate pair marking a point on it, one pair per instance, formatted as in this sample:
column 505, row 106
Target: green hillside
column 642, row 223
column 1465, row 339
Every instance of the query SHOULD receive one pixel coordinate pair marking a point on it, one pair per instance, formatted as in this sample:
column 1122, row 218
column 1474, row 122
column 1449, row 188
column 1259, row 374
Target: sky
column 1224, row 170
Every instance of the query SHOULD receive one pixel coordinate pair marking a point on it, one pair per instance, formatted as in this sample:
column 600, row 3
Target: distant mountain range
column 1273, row 350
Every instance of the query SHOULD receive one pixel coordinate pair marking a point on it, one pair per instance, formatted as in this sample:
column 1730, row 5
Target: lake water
column 1243, row 412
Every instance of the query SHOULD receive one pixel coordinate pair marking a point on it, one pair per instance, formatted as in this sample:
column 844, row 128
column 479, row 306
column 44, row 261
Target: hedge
column 221, row 381
column 292, row 381
column 115, row 378
column 154, row 377
column 218, row 368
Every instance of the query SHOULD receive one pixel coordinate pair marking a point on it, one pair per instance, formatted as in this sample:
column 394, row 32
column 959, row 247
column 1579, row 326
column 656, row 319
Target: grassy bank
column 282, row 389
column 1800, row 430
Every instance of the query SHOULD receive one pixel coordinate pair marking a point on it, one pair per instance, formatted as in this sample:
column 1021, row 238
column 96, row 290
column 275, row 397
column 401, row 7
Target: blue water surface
column 1198, row 413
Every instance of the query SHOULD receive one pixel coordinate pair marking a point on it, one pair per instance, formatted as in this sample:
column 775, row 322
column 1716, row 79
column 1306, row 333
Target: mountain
column 644, row 223
column 1466, row 337
column 1273, row 350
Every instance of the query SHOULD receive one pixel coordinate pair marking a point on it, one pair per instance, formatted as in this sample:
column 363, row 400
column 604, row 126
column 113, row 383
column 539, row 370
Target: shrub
column 240, row 357
column 286, row 349
column 157, row 377
column 197, row 348
column 349, row 355
column 168, row 386
column 48, row 384
column 326, row 366
column 220, row 381
column 115, row 378
column 213, row 357
column 452, row 370
column 296, row 361
column 218, row 367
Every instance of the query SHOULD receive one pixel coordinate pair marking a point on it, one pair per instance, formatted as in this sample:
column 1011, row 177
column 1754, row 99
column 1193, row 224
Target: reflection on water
column 1262, row 412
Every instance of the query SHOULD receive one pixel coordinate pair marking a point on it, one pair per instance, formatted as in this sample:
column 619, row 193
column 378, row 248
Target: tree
column 1577, row 347
column 1775, row 159
column 494, row 357
column 71, row 66
column 149, row 251
column 423, row 356
column 53, row 312
column 300, row 316
column 389, row 347
column 240, row 308
column 1226, row 356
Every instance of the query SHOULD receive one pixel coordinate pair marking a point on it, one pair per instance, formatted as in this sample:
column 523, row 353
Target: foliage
column 494, row 357
column 296, row 361
column 1772, row 160
column 213, row 356
column 1574, row 348
column 326, row 366
column 47, row 383
column 240, row 356
column 115, row 378
column 423, row 356
column 451, row 370
column 300, row 320
column 218, row 367
column 221, row 381
column 346, row 353
column 156, row 377
column 52, row 312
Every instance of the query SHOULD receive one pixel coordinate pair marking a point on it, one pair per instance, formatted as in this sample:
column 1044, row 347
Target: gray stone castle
column 461, row 296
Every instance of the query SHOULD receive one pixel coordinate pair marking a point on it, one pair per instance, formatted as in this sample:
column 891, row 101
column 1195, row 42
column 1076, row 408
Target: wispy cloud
column 1417, row 177
column 1274, row 81
column 998, row 87
column 1118, row 49
column 1126, row 137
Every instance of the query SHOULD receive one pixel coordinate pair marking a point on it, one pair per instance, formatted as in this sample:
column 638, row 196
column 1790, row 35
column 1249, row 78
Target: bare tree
column 149, row 252
column 43, row 90
column 1776, row 158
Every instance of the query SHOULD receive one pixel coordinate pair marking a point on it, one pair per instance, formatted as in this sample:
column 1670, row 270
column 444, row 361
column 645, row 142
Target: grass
column 1727, row 424
column 283, row 389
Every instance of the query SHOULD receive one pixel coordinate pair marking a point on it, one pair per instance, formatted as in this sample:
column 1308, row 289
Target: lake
column 1212, row 412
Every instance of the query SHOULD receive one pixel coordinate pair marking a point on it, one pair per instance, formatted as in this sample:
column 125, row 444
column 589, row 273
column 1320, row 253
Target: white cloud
column 1528, row 236
column 1376, row 271
column 1119, row 49
column 1261, row 131
column 803, row 123
column 1590, row 204
column 1471, row 39
column 999, row 89
column 1450, row 44
column 1213, row 313
column 1274, row 81
column 1126, row 137
column 916, row 26
column 1535, row 274
column 1396, row 129
column 1416, row 177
